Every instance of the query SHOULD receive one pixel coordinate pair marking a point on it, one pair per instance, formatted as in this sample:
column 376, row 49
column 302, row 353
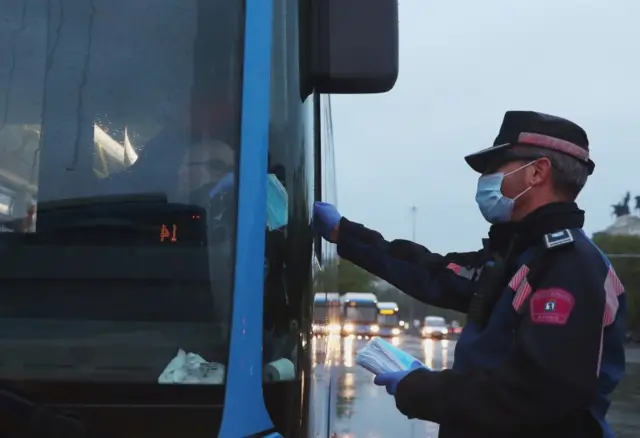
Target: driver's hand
column 226, row 183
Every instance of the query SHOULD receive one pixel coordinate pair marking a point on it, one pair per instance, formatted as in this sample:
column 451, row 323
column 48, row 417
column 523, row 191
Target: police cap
column 529, row 128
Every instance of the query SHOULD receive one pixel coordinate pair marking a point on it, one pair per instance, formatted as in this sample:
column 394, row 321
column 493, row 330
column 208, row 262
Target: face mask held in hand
column 494, row 206
column 277, row 203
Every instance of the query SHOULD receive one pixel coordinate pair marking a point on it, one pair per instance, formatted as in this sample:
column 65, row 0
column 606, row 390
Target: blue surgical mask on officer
column 277, row 203
column 494, row 206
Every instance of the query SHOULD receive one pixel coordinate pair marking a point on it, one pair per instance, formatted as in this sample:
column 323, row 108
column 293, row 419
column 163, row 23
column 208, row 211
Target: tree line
column 628, row 269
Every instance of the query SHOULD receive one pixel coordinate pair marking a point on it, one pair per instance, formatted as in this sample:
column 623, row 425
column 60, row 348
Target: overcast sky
column 462, row 65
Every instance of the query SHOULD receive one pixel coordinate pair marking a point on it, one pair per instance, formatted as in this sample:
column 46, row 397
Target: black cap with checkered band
column 529, row 128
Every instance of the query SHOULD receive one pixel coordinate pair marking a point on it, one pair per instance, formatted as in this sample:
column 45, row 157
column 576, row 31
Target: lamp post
column 414, row 216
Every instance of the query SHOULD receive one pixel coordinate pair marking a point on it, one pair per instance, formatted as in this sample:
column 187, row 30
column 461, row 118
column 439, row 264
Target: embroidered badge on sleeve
column 551, row 306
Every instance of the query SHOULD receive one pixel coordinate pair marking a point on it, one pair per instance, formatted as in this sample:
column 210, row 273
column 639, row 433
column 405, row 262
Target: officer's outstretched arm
column 553, row 370
column 443, row 281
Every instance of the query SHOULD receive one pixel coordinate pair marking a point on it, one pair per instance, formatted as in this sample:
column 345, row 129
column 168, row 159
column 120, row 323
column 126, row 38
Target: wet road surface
column 367, row 411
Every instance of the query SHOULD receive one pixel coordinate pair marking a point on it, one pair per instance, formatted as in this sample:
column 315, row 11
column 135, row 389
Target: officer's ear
column 540, row 171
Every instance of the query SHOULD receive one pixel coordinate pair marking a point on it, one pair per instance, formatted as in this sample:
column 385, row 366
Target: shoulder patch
column 551, row 306
column 558, row 238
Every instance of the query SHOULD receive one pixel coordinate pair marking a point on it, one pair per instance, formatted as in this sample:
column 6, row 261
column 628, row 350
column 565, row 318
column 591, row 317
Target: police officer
column 542, row 350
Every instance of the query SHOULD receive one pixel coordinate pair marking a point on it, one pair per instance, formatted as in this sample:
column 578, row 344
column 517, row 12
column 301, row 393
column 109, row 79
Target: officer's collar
column 531, row 230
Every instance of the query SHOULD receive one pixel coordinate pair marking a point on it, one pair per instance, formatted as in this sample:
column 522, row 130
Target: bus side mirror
column 354, row 46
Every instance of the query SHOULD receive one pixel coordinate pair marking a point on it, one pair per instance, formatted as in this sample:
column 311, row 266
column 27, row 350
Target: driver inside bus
column 206, row 170
column 206, row 177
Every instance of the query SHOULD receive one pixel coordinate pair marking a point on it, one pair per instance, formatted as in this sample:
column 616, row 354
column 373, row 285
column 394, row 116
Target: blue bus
column 360, row 315
column 160, row 160
column 388, row 320
column 326, row 313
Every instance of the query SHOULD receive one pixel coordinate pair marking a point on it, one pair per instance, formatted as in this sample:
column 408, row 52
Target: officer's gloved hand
column 224, row 185
column 325, row 220
column 391, row 380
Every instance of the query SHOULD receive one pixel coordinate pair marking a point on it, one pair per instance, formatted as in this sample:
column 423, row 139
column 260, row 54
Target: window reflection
column 119, row 122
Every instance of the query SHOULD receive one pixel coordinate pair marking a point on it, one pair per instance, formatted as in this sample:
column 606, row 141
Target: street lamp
column 414, row 215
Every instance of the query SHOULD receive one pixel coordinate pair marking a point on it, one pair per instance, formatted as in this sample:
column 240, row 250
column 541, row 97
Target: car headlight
column 374, row 328
column 348, row 328
column 395, row 331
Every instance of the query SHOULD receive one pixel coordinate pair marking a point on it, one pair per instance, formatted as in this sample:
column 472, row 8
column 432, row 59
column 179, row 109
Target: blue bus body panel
column 244, row 412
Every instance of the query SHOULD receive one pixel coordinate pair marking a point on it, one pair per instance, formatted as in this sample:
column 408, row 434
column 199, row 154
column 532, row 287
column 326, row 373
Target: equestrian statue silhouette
column 622, row 208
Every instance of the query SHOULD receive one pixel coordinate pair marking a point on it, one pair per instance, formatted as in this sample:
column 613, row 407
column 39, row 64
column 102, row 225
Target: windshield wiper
column 28, row 419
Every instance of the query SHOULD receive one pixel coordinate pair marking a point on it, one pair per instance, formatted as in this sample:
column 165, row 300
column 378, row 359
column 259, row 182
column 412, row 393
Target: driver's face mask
column 277, row 203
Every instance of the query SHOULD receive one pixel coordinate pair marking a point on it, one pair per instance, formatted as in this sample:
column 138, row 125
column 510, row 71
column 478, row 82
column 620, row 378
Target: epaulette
column 558, row 238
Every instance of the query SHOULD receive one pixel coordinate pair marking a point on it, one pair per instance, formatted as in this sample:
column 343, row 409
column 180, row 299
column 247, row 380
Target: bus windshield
column 388, row 320
column 119, row 137
column 320, row 312
column 361, row 313
column 323, row 304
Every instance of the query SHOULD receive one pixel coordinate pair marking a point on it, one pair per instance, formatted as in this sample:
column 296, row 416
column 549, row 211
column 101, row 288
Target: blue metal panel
column 244, row 412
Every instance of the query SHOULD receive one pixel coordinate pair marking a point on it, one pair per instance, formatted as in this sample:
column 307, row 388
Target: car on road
column 455, row 328
column 435, row 327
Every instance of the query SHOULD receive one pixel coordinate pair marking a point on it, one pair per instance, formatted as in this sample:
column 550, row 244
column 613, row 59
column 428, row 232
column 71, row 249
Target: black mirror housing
column 354, row 46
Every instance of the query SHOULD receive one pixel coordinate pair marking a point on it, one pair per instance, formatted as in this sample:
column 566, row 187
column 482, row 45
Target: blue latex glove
column 225, row 183
column 325, row 219
column 391, row 380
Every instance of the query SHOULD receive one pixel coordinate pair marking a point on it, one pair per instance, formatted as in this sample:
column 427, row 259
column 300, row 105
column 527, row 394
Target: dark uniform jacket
column 543, row 346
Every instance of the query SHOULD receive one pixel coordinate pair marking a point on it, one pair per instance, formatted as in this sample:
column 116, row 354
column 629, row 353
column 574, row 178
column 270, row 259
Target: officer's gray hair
column 568, row 175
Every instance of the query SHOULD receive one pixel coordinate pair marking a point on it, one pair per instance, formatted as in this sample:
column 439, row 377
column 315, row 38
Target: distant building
column 627, row 225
